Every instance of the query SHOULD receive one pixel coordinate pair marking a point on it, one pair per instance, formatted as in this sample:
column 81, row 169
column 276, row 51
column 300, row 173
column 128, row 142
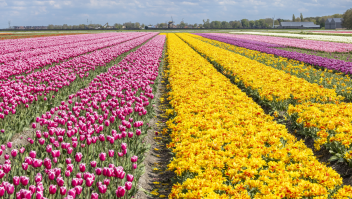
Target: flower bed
column 38, row 92
column 298, row 43
column 333, row 64
column 93, row 147
column 272, row 87
column 226, row 146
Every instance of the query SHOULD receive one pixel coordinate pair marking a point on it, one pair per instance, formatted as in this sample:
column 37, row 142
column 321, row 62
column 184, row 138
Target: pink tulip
column 102, row 156
column 78, row 157
column 10, row 189
column 72, row 192
column 37, row 163
column 52, row 189
column 82, row 167
column 78, row 190
column 68, row 161
column 123, row 146
column 134, row 158
column 60, row 181
column 128, row 185
column 16, row 180
column 6, row 168
column 24, row 166
column 129, row 177
column 93, row 164
column 98, row 171
column 106, row 182
column 2, row 191
column 111, row 153
column 33, row 189
column 93, row 196
column 89, row 182
column 3, row 147
column 32, row 154
column 39, row 195
column 138, row 132
column 49, row 148
column 102, row 189
column 34, row 125
column 9, row 145
column 134, row 166
column 63, row 190
column 120, row 192
column 14, row 153
column 67, row 173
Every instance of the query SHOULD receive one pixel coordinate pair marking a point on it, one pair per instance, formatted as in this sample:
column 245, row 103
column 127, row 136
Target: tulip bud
column 111, row 153
column 138, row 132
column 93, row 164
column 52, row 189
column 78, row 190
column 34, row 125
column 10, row 189
column 98, row 171
column 93, row 196
column 120, row 192
column 134, row 166
column 2, row 191
column 102, row 156
column 14, row 153
column 32, row 188
column 82, row 167
column 63, row 190
column 16, row 180
column 106, row 182
column 128, row 185
column 129, row 177
column 123, row 146
column 24, row 166
column 39, row 195
column 78, row 157
column 134, row 158
column 102, row 189
column 32, row 154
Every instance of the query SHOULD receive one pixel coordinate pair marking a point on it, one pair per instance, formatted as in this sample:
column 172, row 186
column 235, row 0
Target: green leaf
column 333, row 158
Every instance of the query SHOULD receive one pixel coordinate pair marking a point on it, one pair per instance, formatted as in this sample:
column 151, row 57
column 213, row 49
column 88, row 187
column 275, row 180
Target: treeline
column 126, row 25
column 243, row 23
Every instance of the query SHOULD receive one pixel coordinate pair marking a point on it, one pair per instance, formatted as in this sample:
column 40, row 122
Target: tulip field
column 76, row 116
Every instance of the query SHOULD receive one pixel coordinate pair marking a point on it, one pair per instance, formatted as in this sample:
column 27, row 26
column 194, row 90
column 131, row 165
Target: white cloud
column 189, row 3
column 3, row 3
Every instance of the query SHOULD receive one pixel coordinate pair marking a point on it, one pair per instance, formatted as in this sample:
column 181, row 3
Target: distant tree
column 251, row 23
column 50, row 26
column 225, row 24
column 245, row 23
column 261, row 23
column 298, row 19
column 195, row 25
column 301, row 16
column 206, row 23
column 64, row 26
column 137, row 25
column 200, row 25
column 347, row 19
column 276, row 22
column 215, row 24
column 293, row 17
column 257, row 23
column 182, row 24
column 236, row 24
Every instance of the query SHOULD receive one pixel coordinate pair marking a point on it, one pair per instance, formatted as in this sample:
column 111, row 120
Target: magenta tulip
column 134, row 158
column 63, row 190
column 102, row 189
column 52, row 189
column 129, row 177
column 93, row 196
column 128, row 185
column 120, row 192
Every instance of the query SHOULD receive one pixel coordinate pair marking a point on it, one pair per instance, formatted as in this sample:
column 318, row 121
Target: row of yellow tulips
column 272, row 87
column 225, row 146
column 338, row 81
column 328, row 124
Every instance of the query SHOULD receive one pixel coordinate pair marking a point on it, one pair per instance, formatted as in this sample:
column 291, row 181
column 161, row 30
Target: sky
column 58, row 12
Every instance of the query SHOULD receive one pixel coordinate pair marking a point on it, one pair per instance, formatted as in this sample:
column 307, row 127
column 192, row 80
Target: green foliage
column 347, row 19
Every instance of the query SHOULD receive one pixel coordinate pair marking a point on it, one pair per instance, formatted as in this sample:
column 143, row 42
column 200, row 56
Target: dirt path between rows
column 156, row 180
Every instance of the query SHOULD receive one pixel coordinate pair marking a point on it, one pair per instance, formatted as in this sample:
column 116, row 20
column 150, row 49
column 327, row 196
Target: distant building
column 333, row 23
column 298, row 25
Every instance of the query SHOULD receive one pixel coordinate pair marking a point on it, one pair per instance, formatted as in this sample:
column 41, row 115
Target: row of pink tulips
column 56, row 46
column 17, row 45
column 46, row 88
column 26, row 66
column 92, row 149
column 297, row 43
